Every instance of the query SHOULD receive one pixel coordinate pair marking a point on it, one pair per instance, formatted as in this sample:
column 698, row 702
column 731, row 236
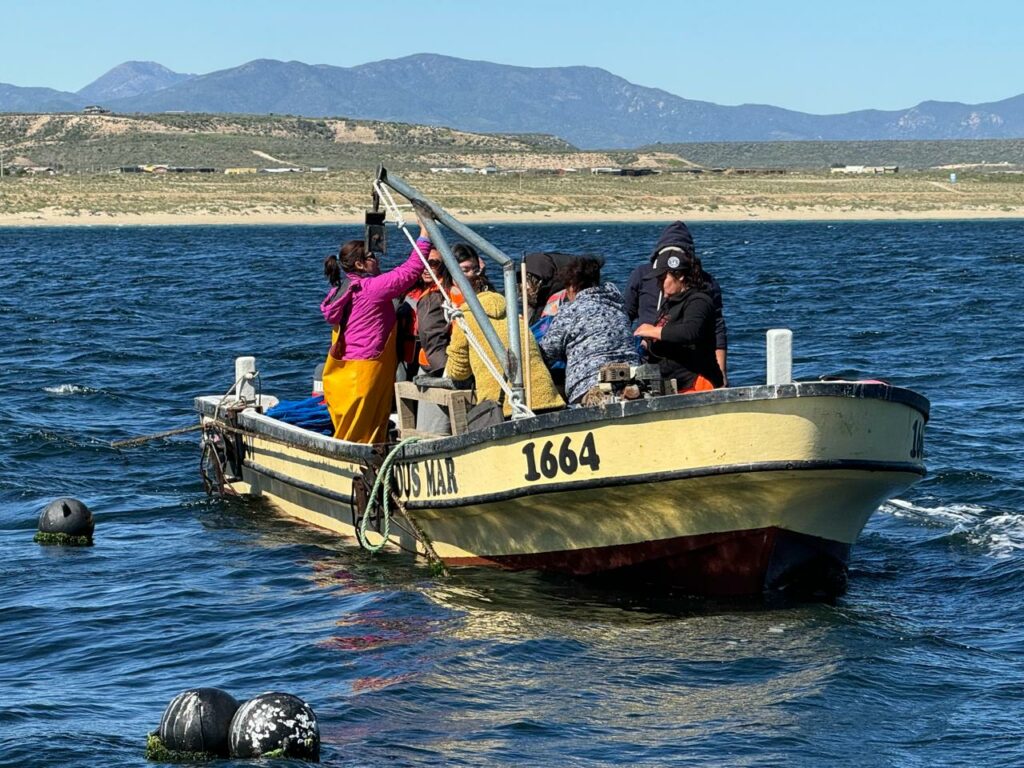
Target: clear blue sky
column 822, row 57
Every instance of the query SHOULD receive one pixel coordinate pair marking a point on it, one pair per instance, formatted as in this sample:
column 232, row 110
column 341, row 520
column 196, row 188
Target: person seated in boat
column 471, row 263
column 643, row 291
column 544, row 290
column 590, row 330
column 465, row 362
column 412, row 359
column 545, row 295
column 435, row 333
column 406, row 341
column 480, row 261
column 432, row 325
column 359, row 374
column 682, row 338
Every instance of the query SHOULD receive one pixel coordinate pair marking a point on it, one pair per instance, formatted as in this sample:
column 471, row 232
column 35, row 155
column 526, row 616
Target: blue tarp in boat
column 311, row 414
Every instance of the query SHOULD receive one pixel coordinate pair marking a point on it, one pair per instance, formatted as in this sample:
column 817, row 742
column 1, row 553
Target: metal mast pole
column 513, row 355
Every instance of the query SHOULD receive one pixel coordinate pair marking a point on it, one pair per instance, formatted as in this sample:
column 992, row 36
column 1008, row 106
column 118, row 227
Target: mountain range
column 587, row 106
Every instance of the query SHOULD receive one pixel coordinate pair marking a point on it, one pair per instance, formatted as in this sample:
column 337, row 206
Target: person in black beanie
column 643, row 292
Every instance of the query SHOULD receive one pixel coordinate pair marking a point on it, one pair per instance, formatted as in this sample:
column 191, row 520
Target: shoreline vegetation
column 341, row 197
column 91, row 169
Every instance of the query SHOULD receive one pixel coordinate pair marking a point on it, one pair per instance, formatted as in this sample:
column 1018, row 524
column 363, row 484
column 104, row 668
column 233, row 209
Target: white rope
column 453, row 313
column 389, row 202
column 496, row 374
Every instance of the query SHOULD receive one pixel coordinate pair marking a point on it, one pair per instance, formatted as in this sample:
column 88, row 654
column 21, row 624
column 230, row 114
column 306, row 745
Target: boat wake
column 998, row 535
column 946, row 514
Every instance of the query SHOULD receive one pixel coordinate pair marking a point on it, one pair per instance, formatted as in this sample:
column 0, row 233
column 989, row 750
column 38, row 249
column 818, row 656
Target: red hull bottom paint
column 735, row 563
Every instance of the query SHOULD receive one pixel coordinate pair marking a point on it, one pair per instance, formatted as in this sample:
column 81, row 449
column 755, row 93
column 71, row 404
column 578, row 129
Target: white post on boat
column 245, row 372
column 780, row 356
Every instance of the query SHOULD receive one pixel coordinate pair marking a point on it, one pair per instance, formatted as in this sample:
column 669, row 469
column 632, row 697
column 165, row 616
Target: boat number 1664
column 564, row 458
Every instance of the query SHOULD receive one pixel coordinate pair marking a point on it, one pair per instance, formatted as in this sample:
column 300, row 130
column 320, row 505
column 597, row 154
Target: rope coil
column 382, row 488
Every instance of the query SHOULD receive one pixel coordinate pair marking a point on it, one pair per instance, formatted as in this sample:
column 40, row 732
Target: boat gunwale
column 572, row 417
column 282, row 431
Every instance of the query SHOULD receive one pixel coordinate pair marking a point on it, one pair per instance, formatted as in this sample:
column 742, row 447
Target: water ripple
column 919, row 664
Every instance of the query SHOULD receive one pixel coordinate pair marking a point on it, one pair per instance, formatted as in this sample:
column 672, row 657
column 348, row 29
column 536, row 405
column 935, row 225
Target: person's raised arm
column 393, row 284
column 399, row 280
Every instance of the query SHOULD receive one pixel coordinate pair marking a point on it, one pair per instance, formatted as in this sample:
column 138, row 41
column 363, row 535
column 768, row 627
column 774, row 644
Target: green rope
column 381, row 484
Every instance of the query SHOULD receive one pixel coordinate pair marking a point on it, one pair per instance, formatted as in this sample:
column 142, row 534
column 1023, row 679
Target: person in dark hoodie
column 544, row 289
column 682, row 339
column 643, row 293
column 591, row 329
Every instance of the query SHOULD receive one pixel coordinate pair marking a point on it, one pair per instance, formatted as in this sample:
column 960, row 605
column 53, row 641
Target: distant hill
column 90, row 143
column 586, row 106
column 14, row 98
column 133, row 78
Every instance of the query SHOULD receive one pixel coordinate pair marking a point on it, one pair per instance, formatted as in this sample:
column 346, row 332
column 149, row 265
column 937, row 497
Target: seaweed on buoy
column 65, row 522
column 158, row 752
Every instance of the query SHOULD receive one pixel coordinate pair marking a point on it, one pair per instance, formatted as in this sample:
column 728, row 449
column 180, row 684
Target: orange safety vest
column 457, row 299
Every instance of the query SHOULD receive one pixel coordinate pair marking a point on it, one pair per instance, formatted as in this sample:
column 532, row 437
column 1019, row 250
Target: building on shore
column 868, row 169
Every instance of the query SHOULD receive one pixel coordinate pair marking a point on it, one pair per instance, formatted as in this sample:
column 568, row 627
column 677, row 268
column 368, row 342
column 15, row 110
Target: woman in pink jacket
column 359, row 375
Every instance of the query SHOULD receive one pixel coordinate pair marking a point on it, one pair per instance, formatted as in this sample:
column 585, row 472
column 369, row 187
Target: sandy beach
column 55, row 219
column 341, row 198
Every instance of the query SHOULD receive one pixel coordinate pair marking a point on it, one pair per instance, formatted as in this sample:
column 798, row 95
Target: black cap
column 671, row 259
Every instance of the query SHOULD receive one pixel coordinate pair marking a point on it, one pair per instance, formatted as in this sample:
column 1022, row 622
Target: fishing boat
column 730, row 492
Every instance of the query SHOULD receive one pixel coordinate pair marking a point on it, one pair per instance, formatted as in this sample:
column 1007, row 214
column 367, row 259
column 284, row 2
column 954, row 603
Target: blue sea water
column 108, row 333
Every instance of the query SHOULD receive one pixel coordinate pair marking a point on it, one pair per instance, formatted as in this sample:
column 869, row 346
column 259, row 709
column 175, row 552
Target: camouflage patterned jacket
column 587, row 333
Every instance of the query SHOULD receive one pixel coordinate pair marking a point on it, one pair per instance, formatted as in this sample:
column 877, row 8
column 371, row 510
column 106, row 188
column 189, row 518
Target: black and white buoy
column 66, row 521
column 275, row 725
column 194, row 726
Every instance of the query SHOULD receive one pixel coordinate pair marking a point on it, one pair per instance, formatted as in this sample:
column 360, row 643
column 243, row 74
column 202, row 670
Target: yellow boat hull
column 725, row 492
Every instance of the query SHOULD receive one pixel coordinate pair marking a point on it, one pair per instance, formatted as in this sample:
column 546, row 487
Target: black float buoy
column 194, row 726
column 275, row 725
column 66, row 521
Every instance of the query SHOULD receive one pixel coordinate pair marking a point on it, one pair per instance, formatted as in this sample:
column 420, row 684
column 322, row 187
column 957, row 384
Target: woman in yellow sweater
column 464, row 361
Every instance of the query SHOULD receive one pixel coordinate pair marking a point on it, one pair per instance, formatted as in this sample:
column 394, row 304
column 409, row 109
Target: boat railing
column 432, row 215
